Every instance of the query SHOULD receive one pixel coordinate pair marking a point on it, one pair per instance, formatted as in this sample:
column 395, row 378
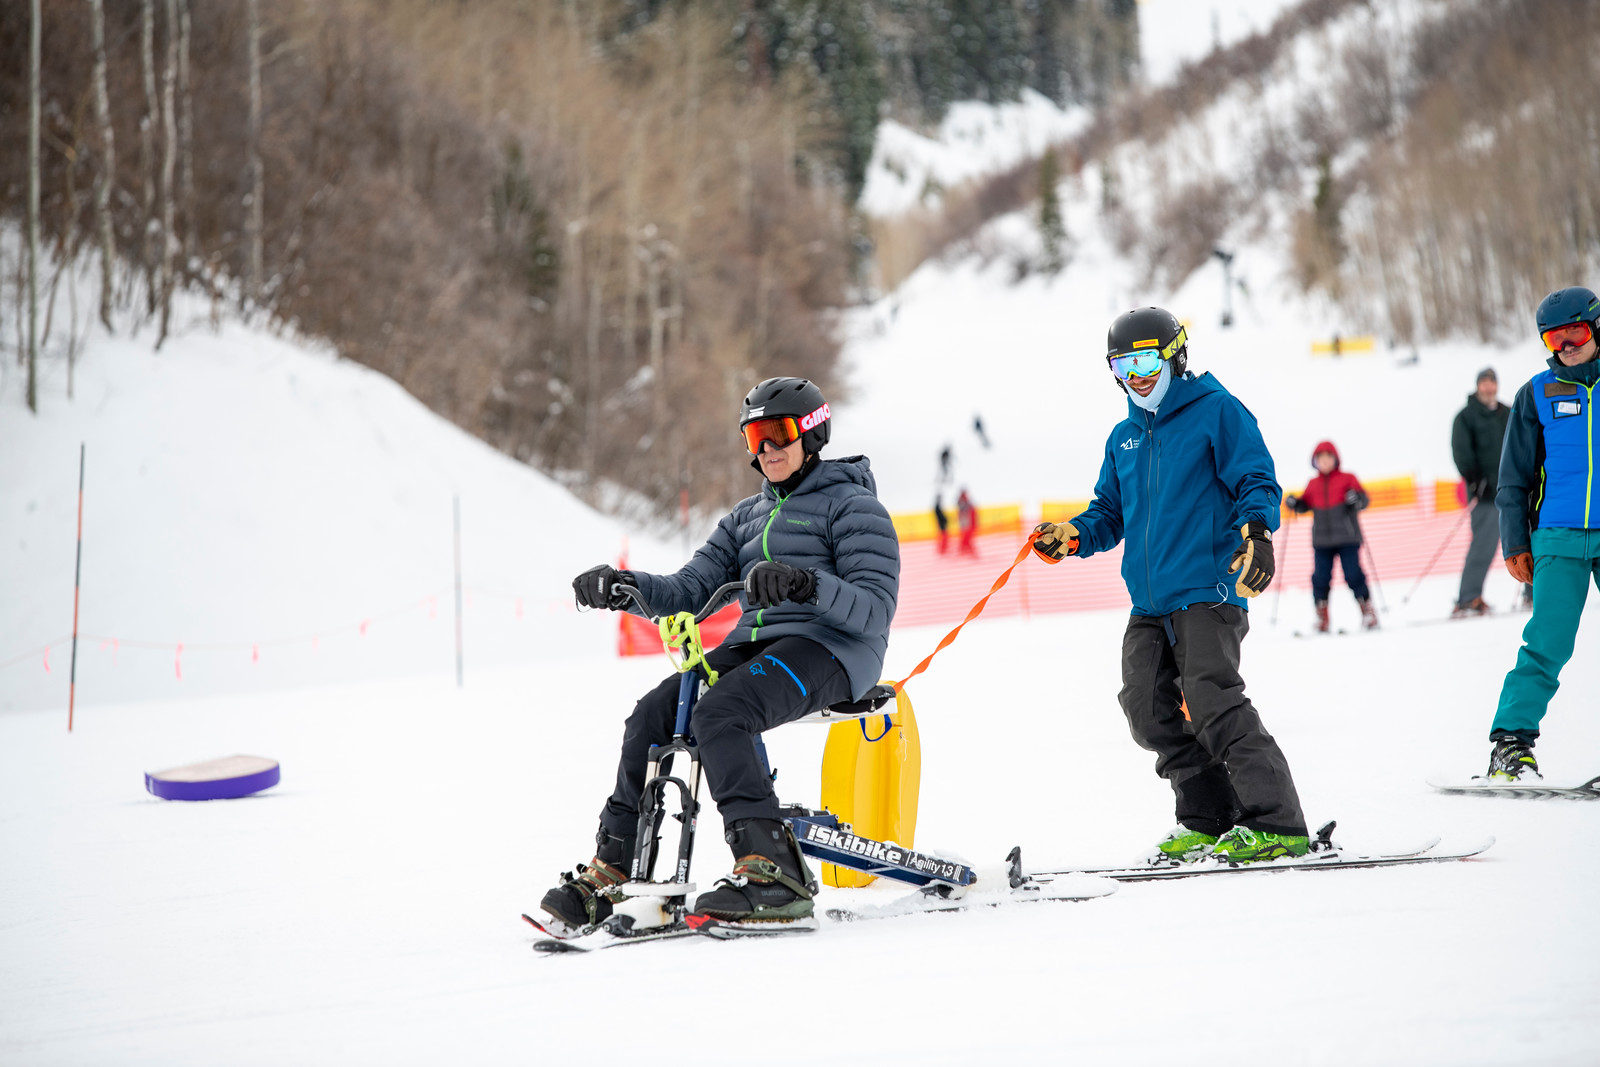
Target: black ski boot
column 770, row 880
column 580, row 900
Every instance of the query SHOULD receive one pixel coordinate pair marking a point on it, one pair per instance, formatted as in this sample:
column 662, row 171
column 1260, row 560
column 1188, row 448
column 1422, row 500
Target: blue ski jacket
column 830, row 524
column 1178, row 484
column 1547, row 465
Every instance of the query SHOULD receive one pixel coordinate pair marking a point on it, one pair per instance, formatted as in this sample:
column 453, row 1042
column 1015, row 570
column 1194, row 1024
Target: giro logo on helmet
column 815, row 419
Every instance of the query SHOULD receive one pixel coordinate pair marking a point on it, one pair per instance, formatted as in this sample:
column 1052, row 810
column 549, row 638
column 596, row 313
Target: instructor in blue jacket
column 1188, row 483
column 820, row 564
column 1549, row 501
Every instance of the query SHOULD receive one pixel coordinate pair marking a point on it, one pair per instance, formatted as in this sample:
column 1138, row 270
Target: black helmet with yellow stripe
column 1147, row 331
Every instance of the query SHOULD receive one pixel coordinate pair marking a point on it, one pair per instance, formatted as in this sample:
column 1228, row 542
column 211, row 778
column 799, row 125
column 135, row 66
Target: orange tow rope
column 977, row 609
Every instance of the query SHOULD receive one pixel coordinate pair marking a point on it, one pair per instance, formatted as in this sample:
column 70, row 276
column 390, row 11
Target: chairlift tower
column 1227, row 285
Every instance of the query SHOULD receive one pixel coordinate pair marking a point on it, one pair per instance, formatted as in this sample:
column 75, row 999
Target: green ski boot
column 1511, row 759
column 1244, row 845
column 1182, row 845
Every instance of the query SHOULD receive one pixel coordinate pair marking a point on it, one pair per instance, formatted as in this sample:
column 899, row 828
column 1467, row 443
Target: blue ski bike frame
column 819, row 833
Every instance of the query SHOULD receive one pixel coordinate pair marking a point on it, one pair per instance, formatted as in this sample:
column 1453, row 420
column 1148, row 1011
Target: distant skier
column 1476, row 439
column 1188, row 482
column 820, row 564
column 941, row 483
column 967, row 523
column 1334, row 497
column 1549, row 501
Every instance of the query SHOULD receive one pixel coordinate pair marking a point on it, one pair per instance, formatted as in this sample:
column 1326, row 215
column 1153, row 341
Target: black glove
column 770, row 583
column 599, row 587
column 1478, row 489
column 1291, row 502
column 1351, row 498
column 1253, row 560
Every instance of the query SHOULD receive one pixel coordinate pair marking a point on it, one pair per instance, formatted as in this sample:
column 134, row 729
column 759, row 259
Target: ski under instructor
column 1187, row 481
column 820, row 564
column 1549, row 501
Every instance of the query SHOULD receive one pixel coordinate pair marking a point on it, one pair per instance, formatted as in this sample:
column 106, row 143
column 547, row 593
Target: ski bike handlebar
column 718, row 599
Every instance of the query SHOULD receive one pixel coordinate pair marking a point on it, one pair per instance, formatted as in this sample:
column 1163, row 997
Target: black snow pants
column 761, row 685
column 1223, row 765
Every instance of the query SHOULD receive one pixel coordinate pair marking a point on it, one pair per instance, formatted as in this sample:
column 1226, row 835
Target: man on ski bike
column 1549, row 501
column 820, row 564
column 1188, row 483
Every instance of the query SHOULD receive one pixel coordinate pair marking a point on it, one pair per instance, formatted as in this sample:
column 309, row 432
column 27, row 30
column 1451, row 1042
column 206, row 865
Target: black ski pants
column 761, row 685
column 1223, row 765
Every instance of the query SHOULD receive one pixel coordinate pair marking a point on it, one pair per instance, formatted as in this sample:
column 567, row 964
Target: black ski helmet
column 1147, row 328
column 795, row 397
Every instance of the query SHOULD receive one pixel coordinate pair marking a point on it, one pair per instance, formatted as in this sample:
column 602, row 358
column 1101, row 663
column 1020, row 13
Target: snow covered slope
column 259, row 502
column 962, row 338
column 365, row 910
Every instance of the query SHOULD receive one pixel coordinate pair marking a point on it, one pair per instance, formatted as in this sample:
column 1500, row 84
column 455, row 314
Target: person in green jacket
column 1475, row 441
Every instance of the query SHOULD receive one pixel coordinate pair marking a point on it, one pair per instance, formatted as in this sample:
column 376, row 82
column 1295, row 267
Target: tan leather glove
column 1521, row 566
column 1054, row 541
column 1252, row 560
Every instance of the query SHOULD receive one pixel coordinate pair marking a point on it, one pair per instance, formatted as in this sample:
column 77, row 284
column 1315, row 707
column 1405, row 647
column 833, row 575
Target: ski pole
column 1372, row 564
column 1448, row 538
column 1288, row 539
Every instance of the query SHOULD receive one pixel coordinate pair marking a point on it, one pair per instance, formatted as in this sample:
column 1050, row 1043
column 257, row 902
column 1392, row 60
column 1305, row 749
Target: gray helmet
column 797, row 398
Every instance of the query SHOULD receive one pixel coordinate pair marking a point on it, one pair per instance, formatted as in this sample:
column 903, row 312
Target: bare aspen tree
column 592, row 355
column 106, row 173
column 633, row 177
column 253, row 207
column 147, row 133
column 169, row 160
column 33, row 211
column 185, row 137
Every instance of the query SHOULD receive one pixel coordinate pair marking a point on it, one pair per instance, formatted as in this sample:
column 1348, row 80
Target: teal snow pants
column 1564, row 563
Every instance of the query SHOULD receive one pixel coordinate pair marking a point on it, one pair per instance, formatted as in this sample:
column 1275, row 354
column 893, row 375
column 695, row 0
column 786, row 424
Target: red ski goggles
column 782, row 432
column 1576, row 334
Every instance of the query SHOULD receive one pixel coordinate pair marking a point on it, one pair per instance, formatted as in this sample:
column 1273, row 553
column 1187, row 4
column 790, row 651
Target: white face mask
column 1153, row 401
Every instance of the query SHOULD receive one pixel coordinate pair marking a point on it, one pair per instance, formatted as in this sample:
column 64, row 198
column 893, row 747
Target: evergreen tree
column 1052, row 231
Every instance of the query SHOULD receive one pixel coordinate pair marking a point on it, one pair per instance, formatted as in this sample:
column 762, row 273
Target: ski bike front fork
column 680, row 633
column 653, row 800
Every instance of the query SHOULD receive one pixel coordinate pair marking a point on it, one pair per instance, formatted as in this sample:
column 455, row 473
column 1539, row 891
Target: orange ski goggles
column 782, row 432
column 1576, row 334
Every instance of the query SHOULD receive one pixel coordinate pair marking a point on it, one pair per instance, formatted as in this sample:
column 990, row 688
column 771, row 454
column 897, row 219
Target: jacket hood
column 1325, row 446
column 856, row 470
column 1180, row 394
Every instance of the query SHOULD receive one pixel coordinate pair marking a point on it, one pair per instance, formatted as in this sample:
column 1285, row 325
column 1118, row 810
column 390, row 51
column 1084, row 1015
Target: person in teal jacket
column 1549, row 501
column 1188, row 484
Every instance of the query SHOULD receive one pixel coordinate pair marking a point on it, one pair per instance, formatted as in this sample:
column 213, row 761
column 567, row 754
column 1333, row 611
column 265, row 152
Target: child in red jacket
column 1334, row 496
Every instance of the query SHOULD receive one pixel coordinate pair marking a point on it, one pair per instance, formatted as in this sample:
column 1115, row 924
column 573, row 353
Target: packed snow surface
column 365, row 910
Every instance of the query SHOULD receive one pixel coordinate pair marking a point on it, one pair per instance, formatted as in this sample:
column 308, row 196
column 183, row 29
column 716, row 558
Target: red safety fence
column 937, row 588
column 1406, row 528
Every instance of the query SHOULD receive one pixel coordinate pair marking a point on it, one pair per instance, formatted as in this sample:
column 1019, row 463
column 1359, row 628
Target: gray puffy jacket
column 831, row 525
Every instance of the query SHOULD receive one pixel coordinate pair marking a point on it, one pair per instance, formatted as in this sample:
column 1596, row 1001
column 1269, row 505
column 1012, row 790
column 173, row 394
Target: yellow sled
column 870, row 777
